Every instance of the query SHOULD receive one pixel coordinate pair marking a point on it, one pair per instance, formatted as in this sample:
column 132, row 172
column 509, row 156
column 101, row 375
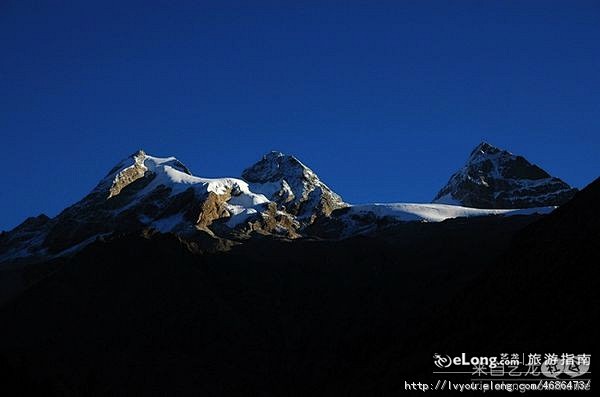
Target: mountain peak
column 496, row 178
column 485, row 148
column 273, row 154
column 139, row 153
column 292, row 185
column 274, row 166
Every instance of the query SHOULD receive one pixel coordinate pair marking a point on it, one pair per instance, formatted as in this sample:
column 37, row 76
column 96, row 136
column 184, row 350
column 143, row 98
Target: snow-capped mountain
column 147, row 192
column 278, row 196
column 496, row 178
column 293, row 186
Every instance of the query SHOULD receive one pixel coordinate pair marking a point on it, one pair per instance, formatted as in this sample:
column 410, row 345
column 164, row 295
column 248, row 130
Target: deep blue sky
column 383, row 100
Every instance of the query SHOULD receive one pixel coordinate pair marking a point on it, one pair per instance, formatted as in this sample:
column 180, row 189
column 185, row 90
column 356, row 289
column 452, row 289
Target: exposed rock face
column 214, row 207
column 129, row 174
column 293, row 186
column 275, row 222
column 496, row 178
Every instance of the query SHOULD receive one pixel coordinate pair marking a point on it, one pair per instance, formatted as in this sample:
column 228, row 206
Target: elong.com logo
column 445, row 361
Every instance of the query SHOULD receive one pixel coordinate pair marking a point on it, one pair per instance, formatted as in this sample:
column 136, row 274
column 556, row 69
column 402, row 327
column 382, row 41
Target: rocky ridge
column 277, row 197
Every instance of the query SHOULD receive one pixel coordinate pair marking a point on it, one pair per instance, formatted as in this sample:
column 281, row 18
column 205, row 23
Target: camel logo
column 441, row 361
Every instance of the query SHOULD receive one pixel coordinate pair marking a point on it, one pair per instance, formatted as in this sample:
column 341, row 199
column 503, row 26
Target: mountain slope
column 496, row 178
column 148, row 315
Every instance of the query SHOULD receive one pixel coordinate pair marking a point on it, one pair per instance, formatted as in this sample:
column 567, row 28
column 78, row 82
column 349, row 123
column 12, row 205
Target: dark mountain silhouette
column 143, row 314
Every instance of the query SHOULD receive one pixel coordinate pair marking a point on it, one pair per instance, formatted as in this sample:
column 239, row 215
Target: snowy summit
column 496, row 178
